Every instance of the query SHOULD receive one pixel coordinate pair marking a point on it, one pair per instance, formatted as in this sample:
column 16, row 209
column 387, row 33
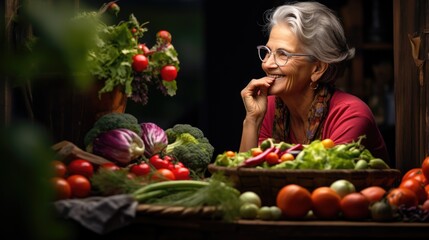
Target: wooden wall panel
column 410, row 91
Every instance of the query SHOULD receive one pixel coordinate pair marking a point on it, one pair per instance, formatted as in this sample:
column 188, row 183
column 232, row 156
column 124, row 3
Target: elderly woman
column 297, row 101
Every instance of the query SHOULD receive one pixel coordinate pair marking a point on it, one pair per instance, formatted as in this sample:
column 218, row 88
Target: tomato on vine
column 146, row 51
column 140, row 169
column 140, row 62
column 164, row 36
column 168, row 73
column 113, row 8
column 110, row 166
column 163, row 174
column 181, row 173
column 157, row 162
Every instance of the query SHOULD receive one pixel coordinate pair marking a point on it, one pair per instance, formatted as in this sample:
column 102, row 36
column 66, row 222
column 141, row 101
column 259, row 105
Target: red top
column 348, row 118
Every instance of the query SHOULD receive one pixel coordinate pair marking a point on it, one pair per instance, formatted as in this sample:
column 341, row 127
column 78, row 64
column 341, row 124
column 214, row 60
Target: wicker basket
column 267, row 182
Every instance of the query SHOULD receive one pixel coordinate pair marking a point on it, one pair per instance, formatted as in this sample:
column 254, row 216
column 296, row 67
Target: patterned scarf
column 316, row 116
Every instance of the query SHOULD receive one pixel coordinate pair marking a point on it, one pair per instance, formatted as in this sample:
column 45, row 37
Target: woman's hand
column 254, row 97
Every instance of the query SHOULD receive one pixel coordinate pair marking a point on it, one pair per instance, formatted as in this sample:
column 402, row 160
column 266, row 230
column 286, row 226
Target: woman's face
column 294, row 77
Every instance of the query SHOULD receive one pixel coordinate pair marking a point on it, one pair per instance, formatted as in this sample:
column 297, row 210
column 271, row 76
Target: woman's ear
column 318, row 70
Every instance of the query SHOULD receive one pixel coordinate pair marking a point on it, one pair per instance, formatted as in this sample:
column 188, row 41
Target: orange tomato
column 402, row 196
column 373, row 193
column 326, row 203
column 294, row 201
column 62, row 188
column 287, row 157
column 163, row 174
column 256, row 151
column 272, row 158
column 328, row 143
column 355, row 206
column 230, row 154
column 417, row 187
column 425, row 167
column 60, row 168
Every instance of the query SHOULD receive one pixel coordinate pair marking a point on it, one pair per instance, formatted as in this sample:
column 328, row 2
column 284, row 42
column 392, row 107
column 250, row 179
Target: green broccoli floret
column 180, row 128
column 188, row 145
column 112, row 121
column 181, row 139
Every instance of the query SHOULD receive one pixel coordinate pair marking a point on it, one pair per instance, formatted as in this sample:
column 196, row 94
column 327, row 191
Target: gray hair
column 319, row 32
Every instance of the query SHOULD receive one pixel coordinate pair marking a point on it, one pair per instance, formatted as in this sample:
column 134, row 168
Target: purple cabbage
column 154, row 138
column 120, row 145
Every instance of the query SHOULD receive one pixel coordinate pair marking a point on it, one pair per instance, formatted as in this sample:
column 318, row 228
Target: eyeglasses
column 280, row 56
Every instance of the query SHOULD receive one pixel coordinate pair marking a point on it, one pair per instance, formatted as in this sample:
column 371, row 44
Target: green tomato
column 250, row 197
column 264, row 213
column 276, row 212
column 343, row 187
column 249, row 211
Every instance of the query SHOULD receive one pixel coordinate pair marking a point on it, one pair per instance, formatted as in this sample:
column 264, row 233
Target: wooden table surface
column 155, row 227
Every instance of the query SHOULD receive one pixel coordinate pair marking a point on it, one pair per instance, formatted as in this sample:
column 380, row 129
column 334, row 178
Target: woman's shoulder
column 343, row 102
column 342, row 98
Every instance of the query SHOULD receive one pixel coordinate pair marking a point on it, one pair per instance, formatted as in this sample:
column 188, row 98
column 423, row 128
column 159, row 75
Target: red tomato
column 294, row 201
column 82, row 167
column 110, row 166
column 272, row 158
column 256, row 151
column 416, row 173
column 140, row 169
column 140, row 62
column 167, row 158
column 181, row 173
column 163, row 174
column 402, row 196
column 326, row 203
column 60, row 169
column 113, row 8
column 425, row 168
column 373, row 193
column 355, row 206
column 164, row 35
column 146, row 51
column 80, row 186
column 417, row 187
column 157, row 162
column 62, row 188
column 168, row 73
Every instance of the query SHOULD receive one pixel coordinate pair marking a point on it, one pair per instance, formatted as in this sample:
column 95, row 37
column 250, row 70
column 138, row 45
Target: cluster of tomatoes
column 330, row 202
column 141, row 60
column 73, row 180
column 413, row 189
column 161, row 168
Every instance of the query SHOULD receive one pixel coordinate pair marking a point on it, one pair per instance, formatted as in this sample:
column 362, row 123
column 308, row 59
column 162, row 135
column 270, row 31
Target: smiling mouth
column 276, row 76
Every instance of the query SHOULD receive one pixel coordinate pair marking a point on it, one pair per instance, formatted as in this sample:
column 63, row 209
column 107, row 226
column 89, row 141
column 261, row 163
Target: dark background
column 216, row 42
